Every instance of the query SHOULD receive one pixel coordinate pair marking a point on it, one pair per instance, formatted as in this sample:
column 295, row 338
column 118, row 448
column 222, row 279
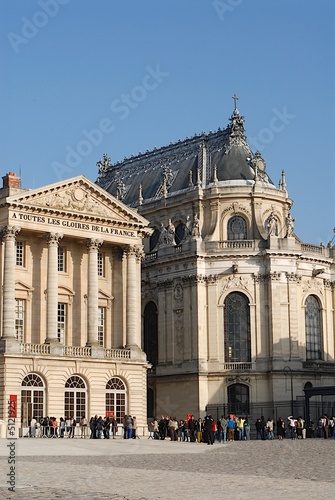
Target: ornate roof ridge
column 171, row 146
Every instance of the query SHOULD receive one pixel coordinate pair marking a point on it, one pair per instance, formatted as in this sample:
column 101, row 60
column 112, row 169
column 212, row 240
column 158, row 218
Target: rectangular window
column 101, row 325
column 61, row 326
column 61, row 259
column 19, row 319
column 19, row 253
column 101, row 270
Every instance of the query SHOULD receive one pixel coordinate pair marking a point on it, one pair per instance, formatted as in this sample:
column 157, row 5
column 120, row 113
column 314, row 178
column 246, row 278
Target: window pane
column 61, row 259
column 313, row 329
column 237, row 328
column 237, row 228
column 19, row 319
column 61, row 327
column 19, row 253
column 101, row 325
column 100, row 264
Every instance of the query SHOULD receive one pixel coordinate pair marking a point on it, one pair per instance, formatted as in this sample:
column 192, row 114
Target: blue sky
column 80, row 78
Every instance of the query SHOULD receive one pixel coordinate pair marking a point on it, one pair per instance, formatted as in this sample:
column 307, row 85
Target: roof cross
column 235, row 103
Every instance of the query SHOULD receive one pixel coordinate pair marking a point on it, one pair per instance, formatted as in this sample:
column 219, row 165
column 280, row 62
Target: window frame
column 20, row 253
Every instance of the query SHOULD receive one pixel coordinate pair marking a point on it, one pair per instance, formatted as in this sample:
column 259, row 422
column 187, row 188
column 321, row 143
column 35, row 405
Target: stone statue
column 272, row 225
column 196, row 226
column 170, row 233
column 289, row 225
column 162, row 235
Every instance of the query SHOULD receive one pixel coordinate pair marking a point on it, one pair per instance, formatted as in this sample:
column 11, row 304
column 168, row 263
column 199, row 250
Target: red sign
column 12, row 406
column 109, row 414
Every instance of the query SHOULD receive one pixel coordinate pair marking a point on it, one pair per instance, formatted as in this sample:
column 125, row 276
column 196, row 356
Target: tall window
column 154, row 238
column 101, row 270
column 19, row 253
column 237, row 343
column 32, row 398
column 180, row 233
column 313, row 328
column 75, row 398
column 61, row 325
column 101, row 325
column 116, row 398
column 19, row 318
column 61, row 259
column 237, row 228
column 150, row 328
column 238, row 399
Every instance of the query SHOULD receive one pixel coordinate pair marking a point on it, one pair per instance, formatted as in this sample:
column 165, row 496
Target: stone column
column 93, row 246
column 8, row 316
column 52, row 287
column 133, row 311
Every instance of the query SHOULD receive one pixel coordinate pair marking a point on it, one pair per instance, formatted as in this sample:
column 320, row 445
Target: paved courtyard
column 145, row 469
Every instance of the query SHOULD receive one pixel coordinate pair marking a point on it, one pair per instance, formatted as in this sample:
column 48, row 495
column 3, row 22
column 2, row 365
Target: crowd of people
column 207, row 430
column 238, row 428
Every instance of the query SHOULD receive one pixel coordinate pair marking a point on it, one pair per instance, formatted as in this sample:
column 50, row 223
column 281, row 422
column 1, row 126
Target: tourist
column 280, row 428
column 247, row 429
column 83, row 427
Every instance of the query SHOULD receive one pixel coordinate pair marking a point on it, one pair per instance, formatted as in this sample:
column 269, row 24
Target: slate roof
column 224, row 153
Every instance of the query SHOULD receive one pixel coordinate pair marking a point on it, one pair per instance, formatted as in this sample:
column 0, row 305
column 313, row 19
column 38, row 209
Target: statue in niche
column 162, row 235
column 196, row 227
column 170, row 233
column 272, row 225
column 188, row 227
column 289, row 225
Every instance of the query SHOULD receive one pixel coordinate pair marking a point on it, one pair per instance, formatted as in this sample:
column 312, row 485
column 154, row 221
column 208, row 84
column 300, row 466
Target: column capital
column 9, row 232
column 94, row 243
column 53, row 238
column 134, row 250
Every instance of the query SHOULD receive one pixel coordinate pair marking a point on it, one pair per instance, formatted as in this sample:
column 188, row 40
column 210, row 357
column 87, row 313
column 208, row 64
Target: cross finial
column 235, row 103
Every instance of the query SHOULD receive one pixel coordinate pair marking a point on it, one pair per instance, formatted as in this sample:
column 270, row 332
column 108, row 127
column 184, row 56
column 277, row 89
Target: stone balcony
column 73, row 351
column 319, row 366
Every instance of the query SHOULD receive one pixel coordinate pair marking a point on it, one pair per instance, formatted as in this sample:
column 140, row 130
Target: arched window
column 237, row 344
column 154, row 238
column 237, row 228
column 238, row 399
column 116, row 399
column 180, row 233
column 32, row 398
column 313, row 328
column 150, row 329
column 75, row 398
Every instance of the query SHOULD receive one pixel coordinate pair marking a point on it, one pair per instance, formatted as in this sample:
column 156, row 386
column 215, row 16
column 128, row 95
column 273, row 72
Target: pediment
column 76, row 196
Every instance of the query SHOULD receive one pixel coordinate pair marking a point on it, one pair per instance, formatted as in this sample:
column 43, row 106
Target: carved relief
column 178, row 292
column 311, row 286
column 235, row 282
column 179, row 328
column 72, row 199
column 237, row 379
column 149, row 290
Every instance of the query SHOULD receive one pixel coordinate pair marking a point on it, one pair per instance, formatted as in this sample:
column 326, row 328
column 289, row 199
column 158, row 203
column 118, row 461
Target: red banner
column 109, row 414
column 12, row 406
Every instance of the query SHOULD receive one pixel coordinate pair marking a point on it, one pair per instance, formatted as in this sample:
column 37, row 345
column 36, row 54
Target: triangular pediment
column 77, row 196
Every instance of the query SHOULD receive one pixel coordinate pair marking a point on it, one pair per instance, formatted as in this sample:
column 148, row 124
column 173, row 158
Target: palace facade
column 70, row 311
column 236, row 310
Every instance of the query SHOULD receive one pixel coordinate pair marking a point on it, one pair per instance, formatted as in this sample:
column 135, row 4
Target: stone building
column 70, row 311
column 236, row 310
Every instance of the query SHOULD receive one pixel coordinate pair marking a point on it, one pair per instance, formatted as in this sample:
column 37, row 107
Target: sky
column 80, row 78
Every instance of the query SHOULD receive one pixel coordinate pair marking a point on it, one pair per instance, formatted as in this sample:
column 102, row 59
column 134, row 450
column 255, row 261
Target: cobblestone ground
column 156, row 470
